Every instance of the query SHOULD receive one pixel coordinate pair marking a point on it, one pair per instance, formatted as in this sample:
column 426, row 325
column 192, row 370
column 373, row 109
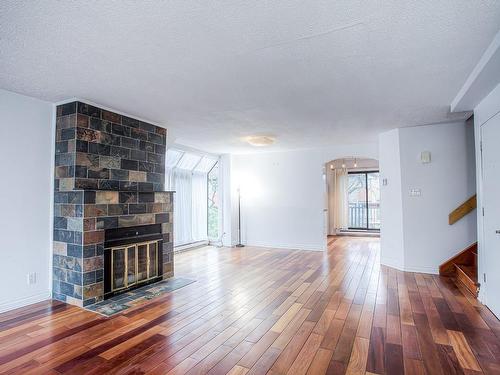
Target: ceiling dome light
column 260, row 140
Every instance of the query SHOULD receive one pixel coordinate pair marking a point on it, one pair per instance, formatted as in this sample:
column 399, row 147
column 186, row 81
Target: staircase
column 463, row 266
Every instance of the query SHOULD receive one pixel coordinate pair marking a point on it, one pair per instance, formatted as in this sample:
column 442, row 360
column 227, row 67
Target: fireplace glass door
column 133, row 264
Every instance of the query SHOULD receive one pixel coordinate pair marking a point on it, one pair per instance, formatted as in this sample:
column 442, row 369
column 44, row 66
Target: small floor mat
column 122, row 302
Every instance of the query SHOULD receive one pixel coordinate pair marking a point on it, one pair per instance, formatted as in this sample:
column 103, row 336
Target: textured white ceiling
column 311, row 73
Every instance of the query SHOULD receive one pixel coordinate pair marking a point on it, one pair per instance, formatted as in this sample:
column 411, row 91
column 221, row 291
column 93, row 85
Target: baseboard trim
column 287, row 246
column 25, row 301
column 401, row 267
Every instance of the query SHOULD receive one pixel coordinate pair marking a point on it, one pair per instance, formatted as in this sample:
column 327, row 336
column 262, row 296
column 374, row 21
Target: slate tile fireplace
column 112, row 217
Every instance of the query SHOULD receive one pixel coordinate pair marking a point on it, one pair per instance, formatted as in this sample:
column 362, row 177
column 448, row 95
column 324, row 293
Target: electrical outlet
column 31, row 278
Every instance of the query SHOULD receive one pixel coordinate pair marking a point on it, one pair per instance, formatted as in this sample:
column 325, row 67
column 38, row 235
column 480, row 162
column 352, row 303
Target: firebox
column 132, row 258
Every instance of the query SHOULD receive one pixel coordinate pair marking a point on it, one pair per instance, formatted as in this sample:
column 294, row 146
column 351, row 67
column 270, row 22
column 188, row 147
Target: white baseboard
column 403, row 267
column 11, row 305
column 288, row 246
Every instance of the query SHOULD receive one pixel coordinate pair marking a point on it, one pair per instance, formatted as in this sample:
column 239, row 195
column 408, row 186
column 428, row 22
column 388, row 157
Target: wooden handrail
column 462, row 210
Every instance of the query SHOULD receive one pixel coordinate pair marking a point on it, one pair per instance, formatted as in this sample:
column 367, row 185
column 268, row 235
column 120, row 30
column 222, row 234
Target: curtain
column 340, row 200
column 199, row 206
column 190, row 205
column 181, row 183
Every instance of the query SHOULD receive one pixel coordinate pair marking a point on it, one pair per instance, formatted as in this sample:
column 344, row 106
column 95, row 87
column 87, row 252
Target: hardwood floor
column 258, row 311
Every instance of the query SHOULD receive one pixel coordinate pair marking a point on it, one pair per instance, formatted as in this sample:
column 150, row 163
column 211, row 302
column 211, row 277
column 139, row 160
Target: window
column 187, row 173
column 364, row 200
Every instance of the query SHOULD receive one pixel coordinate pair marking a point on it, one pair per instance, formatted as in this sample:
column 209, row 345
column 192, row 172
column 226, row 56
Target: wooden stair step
column 467, row 275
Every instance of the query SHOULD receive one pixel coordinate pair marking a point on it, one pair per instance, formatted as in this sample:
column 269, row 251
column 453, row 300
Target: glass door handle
column 497, row 231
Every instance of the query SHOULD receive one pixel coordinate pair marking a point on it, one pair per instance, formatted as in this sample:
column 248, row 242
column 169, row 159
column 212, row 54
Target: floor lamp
column 239, row 220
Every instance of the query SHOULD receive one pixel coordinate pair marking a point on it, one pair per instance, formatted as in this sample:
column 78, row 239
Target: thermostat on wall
column 425, row 157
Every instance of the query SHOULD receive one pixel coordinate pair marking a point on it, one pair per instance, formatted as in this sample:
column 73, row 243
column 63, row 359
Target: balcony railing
column 358, row 213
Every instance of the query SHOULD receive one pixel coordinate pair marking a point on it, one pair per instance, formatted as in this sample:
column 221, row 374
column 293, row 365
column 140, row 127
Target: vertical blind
column 186, row 174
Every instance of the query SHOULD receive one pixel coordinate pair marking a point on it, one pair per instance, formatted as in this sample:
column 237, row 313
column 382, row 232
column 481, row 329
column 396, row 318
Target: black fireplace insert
column 132, row 258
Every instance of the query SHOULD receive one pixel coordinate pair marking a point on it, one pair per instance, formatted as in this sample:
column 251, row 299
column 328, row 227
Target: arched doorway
column 353, row 196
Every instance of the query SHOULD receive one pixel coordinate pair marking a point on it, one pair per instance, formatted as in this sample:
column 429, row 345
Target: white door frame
column 479, row 121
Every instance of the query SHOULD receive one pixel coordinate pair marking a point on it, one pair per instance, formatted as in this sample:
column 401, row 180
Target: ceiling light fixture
column 343, row 164
column 260, row 140
column 355, row 163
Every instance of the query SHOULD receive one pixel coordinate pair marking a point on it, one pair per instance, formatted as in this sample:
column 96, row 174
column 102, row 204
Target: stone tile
column 131, row 122
column 111, row 116
column 99, row 173
column 128, row 186
column 161, row 131
column 120, row 130
column 60, row 222
column 110, row 162
column 87, row 160
column 160, row 149
column 146, row 186
column 100, row 125
column 107, row 222
column 92, row 291
column 146, row 146
column 88, row 110
column 89, row 135
column 118, row 209
column 86, row 184
column 128, row 197
column 162, row 197
column 138, row 155
column 109, row 184
column 93, row 237
column 99, row 149
column 95, row 210
column 82, row 121
column 155, row 177
column 137, row 208
column 155, row 138
column 81, row 146
column 129, row 164
column 133, row 220
column 92, row 264
column 66, row 109
column 75, row 223
column 66, row 262
column 139, row 134
column 66, row 184
column 119, row 174
column 89, row 224
column 120, row 152
column 146, row 167
column 147, row 127
column 146, row 197
column 106, row 197
column 156, row 158
column 59, row 248
column 89, row 197
column 137, row 176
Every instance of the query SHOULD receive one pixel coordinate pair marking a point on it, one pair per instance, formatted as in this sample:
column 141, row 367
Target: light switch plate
column 415, row 192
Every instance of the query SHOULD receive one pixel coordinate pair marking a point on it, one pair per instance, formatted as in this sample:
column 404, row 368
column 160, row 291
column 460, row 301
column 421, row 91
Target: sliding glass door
column 364, row 200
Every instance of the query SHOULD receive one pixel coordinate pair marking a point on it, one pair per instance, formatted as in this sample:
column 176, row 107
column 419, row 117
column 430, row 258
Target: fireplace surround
column 109, row 182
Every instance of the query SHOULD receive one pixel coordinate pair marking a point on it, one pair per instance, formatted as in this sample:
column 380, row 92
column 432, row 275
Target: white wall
column 283, row 195
column 391, row 208
column 26, row 138
column 444, row 183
